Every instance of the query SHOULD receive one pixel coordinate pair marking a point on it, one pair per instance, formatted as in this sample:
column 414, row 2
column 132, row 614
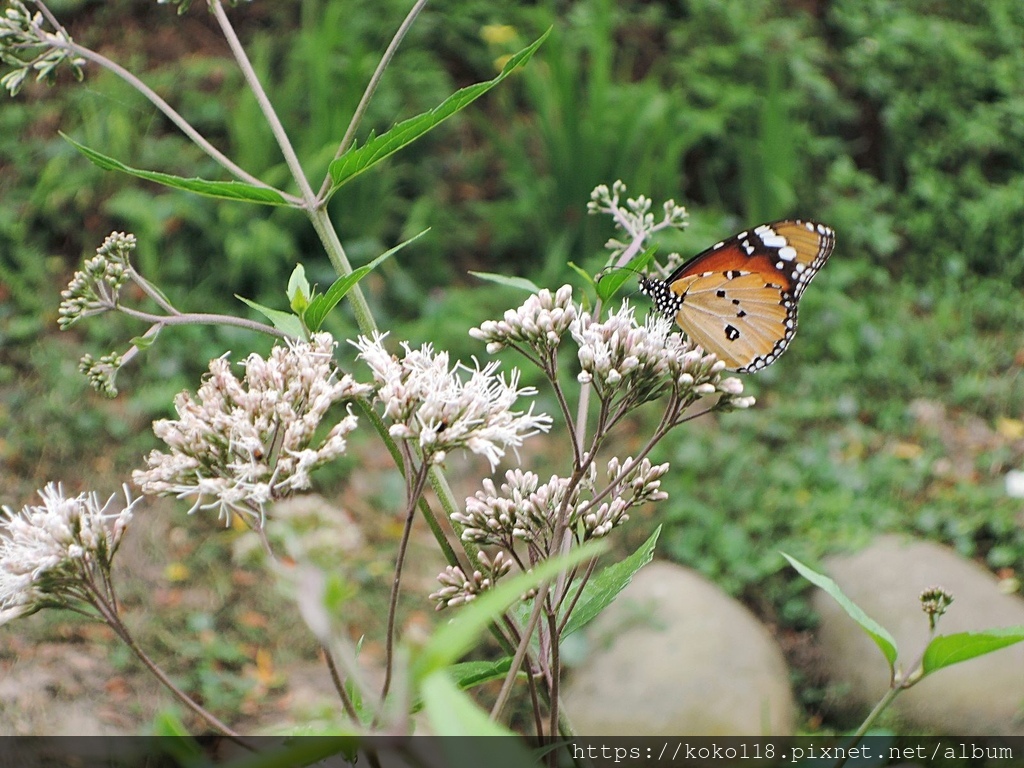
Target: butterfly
column 739, row 298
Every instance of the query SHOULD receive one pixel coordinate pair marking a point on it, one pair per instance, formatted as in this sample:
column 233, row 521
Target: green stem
column 321, row 222
column 880, row 707
column 437, row 480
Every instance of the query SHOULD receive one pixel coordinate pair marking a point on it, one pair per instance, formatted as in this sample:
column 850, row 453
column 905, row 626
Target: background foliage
column 900, row 124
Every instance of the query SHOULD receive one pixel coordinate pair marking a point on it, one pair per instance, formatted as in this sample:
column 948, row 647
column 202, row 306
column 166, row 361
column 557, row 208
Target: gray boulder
column 675, row 655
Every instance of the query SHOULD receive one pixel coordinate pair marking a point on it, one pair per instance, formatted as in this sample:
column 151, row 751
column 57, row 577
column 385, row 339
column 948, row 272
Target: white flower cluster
column 619, row 356
column 638, row 484
column 50, row 554
column 526, row 510
column 641, row 362
column 95, row 287
column 21, row 32
column 539, row 323
column 457, row 588
column 521, row 509
column 440, row 408
column 245, row 443
column 635, row 217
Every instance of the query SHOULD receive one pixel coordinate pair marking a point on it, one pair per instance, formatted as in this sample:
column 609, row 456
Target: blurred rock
column 308, row 528
column 674, row 655
column 983, row 696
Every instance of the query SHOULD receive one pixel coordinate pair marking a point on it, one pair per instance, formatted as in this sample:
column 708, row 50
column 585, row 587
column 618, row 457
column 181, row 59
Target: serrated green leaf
column 610, row 282
column 358, row 159
column 946, row 650
column 468, row 674
column 321, row 306
column 451, row 641
column 511, row 282
column 298, row 290
column 226, row 190
column 283, row 321
column 878, row 633
column 605, row 586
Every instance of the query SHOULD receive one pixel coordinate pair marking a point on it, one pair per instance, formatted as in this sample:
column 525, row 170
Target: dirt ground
column 209, row 613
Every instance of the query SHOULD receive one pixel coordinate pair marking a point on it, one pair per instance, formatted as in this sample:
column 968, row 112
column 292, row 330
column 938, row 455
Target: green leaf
column 468, row 674
column 452, row 712
column 298, row 290
column 605, row 586
column 283, row 321
column 358, row 159
column 321, row 306
column 512, row 282
column 308, row 750
column 184, row 749
column 946, row 650
column 612, row 279
column 587, row 278
column 227, row 190
column 158, row 292
column 142, row 343
column 451, row 641
column 167, row 723
column 876, row 631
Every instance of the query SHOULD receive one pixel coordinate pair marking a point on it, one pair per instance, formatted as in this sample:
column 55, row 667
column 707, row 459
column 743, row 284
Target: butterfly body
column 739, row 298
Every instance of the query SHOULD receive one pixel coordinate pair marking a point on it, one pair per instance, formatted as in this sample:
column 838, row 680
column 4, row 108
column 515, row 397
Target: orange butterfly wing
column 739, row 298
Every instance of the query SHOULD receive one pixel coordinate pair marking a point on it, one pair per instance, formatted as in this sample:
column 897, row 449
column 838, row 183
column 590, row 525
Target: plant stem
column 521, row 649
column 371, row 87
column 150, row 290
column 339, row 685
column 880, row 707
column 438, row 482
column 308, row 199
column 416, row 489
column 321, row 222
column 591, row 565
column 563, row 405
column 203, row 318
column 110, row 615
column 556, row 668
